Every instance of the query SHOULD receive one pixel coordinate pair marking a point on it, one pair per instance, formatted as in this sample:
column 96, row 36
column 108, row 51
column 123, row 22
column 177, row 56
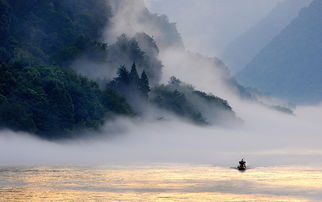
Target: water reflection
column 160, row 183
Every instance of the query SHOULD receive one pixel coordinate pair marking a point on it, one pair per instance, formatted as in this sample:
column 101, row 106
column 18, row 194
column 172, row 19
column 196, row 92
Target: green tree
column 144, row 86
column 115, row 102
column 52, row 102
column 123, row 75
column 134, row 77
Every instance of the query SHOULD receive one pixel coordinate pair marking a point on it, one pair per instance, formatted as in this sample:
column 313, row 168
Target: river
column 159, row 182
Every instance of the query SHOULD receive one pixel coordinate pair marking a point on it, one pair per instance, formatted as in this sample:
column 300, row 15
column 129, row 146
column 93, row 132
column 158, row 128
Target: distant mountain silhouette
column 243, row 49
column 290, row 66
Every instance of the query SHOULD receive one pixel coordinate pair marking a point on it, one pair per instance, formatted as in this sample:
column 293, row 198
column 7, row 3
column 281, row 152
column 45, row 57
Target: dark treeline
column 142, row 49
column 37, row 31
column 53, row 102
column 185, row 101
column 129, row 82
column 38, row 41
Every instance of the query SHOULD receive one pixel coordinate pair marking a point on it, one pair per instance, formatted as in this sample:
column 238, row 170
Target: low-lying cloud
column 267, row 138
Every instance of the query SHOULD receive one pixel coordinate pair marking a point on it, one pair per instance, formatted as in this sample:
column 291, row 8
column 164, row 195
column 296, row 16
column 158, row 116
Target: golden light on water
column 159, row 183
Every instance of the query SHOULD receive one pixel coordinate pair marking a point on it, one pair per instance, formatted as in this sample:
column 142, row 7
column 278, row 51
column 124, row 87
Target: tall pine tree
column 144, row 85
column 122, row 81
column 134, row 77
column 123, row 75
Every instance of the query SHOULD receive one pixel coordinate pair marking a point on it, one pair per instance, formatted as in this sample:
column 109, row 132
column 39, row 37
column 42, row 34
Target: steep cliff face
column 290, row 66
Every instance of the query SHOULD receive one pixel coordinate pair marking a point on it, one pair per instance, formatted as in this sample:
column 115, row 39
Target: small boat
column 242, row 165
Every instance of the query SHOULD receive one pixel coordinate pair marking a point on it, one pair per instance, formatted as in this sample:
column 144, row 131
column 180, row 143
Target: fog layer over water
column 267, row 138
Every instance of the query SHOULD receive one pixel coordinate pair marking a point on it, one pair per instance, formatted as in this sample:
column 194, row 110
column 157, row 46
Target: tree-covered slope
column 38, row 40
column 59, row 77
column 53, row 102
column 101, row 61
column 290, row 66
column 35, row 31
column 185, row 101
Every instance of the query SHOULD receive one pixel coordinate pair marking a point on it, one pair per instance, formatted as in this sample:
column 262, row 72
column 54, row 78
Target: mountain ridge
column 289, row 67
column 261, row 34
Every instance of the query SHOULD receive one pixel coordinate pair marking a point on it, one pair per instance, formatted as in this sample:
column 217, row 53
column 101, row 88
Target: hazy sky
column 207, row 26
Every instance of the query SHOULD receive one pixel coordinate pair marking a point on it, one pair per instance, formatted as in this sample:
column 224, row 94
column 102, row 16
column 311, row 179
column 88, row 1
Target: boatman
column 242, row 163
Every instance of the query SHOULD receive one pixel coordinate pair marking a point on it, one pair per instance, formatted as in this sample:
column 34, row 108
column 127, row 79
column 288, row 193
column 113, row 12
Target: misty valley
column 122, row 100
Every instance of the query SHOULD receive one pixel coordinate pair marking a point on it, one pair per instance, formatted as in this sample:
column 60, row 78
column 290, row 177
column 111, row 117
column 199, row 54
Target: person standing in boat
column 242, row 163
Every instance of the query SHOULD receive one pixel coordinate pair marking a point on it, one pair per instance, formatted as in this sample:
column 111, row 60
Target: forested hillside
column 39, row 93
column 51, row 101
column 39, row 31
column 59, row 76
column 184, row 100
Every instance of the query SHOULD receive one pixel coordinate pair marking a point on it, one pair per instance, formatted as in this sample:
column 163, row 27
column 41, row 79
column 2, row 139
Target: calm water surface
column 160, row 183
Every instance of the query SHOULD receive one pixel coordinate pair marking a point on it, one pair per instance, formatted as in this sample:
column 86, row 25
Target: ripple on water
column 162, row 183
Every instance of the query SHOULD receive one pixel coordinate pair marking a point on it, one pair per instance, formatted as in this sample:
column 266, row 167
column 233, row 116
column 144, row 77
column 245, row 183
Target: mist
column 208, row 26
column 132, row 17
column 267, row 137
